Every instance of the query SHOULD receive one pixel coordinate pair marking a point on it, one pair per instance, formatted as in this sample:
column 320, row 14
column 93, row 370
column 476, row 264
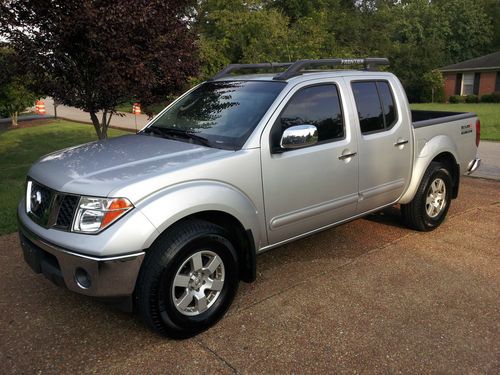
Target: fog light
column 82, row 278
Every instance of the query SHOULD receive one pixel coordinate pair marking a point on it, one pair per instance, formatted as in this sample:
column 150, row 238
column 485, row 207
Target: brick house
column 477, row 76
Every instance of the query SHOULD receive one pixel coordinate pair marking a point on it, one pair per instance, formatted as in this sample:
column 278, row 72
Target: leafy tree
column 433, row 86
column 467, row 29
column 240, row 32
column 94, row 55
column 419, row 45
column 15, row 96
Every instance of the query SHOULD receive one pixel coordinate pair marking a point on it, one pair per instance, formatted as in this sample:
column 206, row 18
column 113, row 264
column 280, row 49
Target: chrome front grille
column 50, row 208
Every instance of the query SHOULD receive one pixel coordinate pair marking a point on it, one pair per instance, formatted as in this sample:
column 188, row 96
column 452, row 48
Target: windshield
column 224, row 113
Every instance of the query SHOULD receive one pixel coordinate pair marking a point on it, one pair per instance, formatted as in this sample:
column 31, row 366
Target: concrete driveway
column 366, row 297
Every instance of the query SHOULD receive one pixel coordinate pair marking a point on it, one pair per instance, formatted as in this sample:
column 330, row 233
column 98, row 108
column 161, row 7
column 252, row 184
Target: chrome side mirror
column 299, row 136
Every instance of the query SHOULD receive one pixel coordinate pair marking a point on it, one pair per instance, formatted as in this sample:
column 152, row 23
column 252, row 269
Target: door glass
column 387, row 103
column 370, row 114
column 315, row 105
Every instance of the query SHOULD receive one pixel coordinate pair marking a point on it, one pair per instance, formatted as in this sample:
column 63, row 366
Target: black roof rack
column 234, row 67
column 297, row 67
column 369, row 64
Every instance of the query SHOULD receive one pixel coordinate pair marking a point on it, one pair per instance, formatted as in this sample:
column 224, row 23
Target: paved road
column 369, row 296
column 125, row 121
column 489, row 152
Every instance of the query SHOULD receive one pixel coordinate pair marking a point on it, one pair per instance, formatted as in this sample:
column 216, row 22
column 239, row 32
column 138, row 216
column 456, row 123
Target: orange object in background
column 136, row 109
column 40, row 107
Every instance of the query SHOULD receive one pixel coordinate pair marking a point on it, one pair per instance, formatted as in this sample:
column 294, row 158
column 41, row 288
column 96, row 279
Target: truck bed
column 422, row 118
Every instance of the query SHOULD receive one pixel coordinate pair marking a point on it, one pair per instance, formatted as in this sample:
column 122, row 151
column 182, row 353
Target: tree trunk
column 101, row 127
column 13, row 117
column 104, row 125
column 97, row 125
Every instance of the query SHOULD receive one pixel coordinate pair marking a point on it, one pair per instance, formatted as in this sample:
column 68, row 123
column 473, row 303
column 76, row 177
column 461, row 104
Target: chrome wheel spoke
column 197, row 262
column 181, row 281
column 213, row 264
column 201, row 303
column 185, row 300
column 429, row 200
column 216, row 285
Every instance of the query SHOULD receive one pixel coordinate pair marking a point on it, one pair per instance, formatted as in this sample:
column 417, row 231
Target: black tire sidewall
column 443, row 174
column 216, row 242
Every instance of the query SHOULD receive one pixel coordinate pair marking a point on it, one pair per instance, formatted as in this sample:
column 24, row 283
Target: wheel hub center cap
column 196, row 281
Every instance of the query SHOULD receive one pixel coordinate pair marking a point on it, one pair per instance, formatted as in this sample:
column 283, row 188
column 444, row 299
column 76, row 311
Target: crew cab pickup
column 172, row 218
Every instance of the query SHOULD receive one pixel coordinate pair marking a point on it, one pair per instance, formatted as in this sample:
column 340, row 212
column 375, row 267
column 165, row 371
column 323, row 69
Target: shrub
column 496, row 97
column 487, row 98
column 457, row 99
column 471, row 99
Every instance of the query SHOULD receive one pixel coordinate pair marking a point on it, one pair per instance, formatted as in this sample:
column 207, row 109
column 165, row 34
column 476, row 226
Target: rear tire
column 430, row 205
column 188, row 279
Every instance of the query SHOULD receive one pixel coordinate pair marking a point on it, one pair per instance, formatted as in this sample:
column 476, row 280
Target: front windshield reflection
column 223, row 112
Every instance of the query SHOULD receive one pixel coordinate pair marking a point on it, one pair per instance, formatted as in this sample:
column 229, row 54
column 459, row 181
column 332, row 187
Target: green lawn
column 19, row 148
column 489, row 114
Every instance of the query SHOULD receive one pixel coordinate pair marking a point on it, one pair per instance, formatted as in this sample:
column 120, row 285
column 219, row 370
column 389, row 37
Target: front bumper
column 93, row 276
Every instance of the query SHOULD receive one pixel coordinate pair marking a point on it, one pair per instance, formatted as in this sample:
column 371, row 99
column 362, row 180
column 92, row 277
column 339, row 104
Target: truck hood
column 97, row 168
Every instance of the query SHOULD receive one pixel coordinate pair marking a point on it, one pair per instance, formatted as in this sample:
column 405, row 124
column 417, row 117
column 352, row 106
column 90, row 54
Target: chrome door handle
column 401, row 143
column 347, row 156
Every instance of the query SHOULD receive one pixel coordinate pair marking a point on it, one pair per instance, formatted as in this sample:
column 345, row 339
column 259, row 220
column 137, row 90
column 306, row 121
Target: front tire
column 188, row 279
column 430, row 205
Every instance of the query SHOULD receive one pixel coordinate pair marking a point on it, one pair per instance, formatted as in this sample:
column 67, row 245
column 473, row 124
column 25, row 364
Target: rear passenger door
column 384, row 144
column 315, row 186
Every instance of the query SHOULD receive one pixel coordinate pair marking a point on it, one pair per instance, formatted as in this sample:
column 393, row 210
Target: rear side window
column 315, row 105
column 375, row 105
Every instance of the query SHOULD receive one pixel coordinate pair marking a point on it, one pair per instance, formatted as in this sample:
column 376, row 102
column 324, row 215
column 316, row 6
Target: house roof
column 487, row 62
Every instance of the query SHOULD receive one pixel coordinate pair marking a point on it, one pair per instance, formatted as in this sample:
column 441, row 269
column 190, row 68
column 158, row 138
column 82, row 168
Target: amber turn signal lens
column 116, row 209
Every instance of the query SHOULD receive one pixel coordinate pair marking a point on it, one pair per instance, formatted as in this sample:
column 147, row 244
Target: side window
column 375, row 105
column 315, row 105
column 387, row 103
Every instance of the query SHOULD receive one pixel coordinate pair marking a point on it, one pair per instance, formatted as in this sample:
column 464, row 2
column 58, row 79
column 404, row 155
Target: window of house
column 375, row 105
column 497, row 85
column 317, row 105
column 468, row 84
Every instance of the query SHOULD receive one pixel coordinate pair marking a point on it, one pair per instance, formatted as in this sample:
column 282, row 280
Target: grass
column 489, row 114
column 19, row 148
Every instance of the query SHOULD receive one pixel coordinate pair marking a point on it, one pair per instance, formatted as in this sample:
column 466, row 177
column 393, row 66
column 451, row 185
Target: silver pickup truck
column 169, row 220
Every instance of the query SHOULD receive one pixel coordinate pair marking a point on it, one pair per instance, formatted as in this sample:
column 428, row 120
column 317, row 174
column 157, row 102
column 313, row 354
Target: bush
column 457, row 99
column 487, row 98
column 471, row 99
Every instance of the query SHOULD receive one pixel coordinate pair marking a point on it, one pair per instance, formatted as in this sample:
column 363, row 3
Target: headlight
column 95, row 214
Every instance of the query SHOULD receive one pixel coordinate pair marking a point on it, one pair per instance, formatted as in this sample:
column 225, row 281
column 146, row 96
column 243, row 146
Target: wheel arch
column 228, row 208
column 242, row 239
column 439, row 149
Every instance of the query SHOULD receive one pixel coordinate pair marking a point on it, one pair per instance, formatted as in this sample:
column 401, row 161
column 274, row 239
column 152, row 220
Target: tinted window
column 387, row 103
column 375, row 105
column 315, row 105
column 368, row 104
column 225, row 113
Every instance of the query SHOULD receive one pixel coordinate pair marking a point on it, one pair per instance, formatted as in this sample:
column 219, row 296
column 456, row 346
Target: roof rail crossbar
column 295, row 69
column 234, row 67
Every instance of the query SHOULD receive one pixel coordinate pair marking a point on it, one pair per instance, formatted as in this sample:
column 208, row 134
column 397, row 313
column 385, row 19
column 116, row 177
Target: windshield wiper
column 176, row 133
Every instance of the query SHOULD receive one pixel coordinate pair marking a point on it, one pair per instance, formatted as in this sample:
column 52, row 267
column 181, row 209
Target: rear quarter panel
column 455, row 137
